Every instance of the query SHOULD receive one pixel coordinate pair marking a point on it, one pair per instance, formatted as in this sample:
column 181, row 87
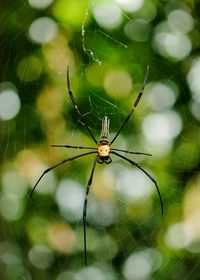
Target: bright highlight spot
column 61, row 237
column 43, row 30
column 47, row 184
column 160, row 96
column 9, row 104
column 130, row 5
column 11, row 207
column 159, row 128
column 91, row 273
column 13, row 184
column 175, row 45
column 71, row 13
column 107, row 15
column 177, row 236
column 40, row 4
column 194, row 108
column 118, row 83
column 70, row 196
column 180, row 20
column 140, row 265
column 193, row 228
column 193, row 79
column 171, row 43
column 133, row 185
column 191, row 212
column 101, row 212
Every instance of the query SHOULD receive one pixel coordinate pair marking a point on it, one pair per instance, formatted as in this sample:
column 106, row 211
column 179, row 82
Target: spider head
column 103, row 150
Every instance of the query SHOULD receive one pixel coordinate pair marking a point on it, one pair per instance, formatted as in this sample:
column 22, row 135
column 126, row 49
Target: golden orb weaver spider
column 102, row 150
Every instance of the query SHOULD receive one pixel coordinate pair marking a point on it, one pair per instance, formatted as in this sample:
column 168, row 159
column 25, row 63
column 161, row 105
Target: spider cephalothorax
column 102, row 150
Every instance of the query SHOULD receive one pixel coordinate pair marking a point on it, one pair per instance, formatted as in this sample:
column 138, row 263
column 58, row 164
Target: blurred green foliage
column 107, row 45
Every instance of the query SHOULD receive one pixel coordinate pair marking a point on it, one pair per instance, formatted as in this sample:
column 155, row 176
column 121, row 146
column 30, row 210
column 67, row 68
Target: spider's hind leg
column 85, row 206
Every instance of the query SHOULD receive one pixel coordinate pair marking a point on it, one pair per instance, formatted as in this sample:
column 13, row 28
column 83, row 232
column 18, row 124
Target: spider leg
column 129, row 152
column 74, row 147
column 76, row 107
column 150, row 177
column 56, row 165
column 85, row 206
column 134, row 106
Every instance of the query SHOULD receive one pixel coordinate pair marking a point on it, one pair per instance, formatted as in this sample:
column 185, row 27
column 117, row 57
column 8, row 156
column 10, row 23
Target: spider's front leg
column 76, row 107
column 134, row 106
column 56, row 165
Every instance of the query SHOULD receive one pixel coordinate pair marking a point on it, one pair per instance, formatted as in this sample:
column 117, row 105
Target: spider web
column 124, row 227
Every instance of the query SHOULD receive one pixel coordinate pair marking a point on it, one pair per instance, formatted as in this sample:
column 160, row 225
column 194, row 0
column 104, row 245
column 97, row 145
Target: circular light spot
column 160, row 96
column 41, row 256
column 71, row 13
column 40, row 4
column 177, row 45
column 142, row 186
column 118, row 83
column 9, row 104
column 48, row 182
column 101, row 212
column 171, row 43
column 91, row 273
column 107, row 15
column 159, row 128
column 140, row 265
column 177, row 236
column 193, row 79
column 66, row 275
column 138, row 30
column 69, row 196
column 13, row 184
column 11, row 207
column 194, row 247
column 194, row 108
column 29, row 69
column 130, row 5
column 43, row 30
column 61, row 237
column 180, row 20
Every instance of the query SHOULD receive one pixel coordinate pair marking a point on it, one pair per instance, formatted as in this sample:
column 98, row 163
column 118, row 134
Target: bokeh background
column 107, row 45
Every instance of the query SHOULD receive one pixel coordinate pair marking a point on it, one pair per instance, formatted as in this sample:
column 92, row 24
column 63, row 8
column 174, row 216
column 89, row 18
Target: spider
column 103, row 151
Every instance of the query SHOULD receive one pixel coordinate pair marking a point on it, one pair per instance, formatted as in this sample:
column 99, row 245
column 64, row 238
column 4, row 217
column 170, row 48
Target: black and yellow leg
column 85, row 207
column 134, row 106
column 144, row 171
column 76, row 107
